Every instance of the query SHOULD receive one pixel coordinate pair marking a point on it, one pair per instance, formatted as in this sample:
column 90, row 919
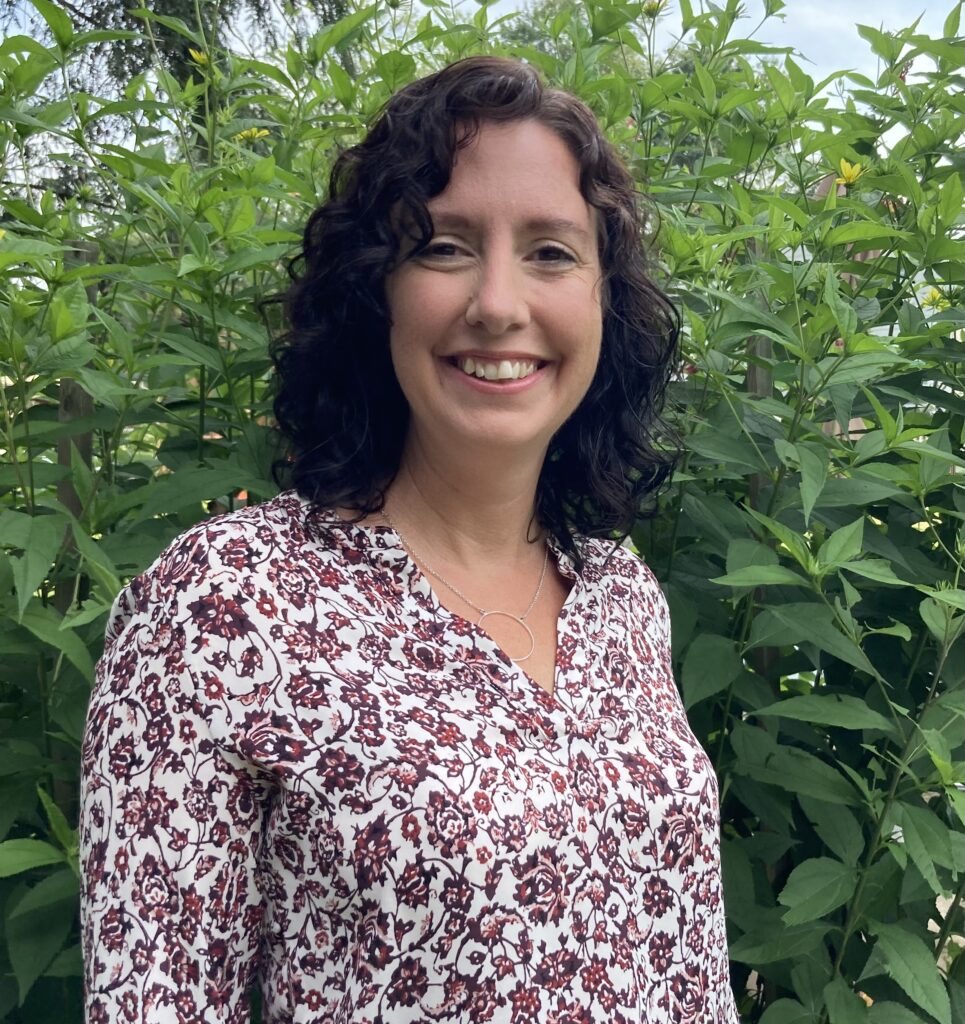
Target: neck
column 469, row 508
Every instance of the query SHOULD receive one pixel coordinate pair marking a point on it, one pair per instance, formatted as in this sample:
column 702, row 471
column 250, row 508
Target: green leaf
column 861, row 231
column 340, row 32
column 815, row 888
column 814, row 623
column 928, row 833
column 44, row 623
column 395, row 69
column 794, row 543
column 892, row 1013
column 952, row 22
column 884, row 44
column 197, row 352
column 18, row 855
column 876, row 569
column 797, row 771
column 707, row 87
column 911, row 965
column 788, row 943
column 814, row 473
column 742, row 552
column 191, row 486
column 844, row 1005
column 101, row 568
column 40, row 538
column 937, row 619
column 69, row 311
column 886, row 421
column 63, row 833
column 782, row 87
column 844, row 316
column 61, row 886
column 176, row 25
column 722, row 448
column 843, row 545
column 711, row 664
column 954, row 598
column 752, row 314
column 808, row 979
column 57, row 21
column 840, row 710
column 915, row 847
column 950, row 200
column 767, row 630
column 859, row 489
column 68, row 963
column 956, row 989
column 787, row 1011
column 837, row 827
column 35, row 936
column 342, row 85
column 761, row 575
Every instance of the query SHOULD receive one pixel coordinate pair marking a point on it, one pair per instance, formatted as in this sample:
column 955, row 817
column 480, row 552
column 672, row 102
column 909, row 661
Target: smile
column 502, row 369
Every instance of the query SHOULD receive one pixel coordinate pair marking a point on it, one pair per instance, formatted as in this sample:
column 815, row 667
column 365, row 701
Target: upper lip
column 498, row 357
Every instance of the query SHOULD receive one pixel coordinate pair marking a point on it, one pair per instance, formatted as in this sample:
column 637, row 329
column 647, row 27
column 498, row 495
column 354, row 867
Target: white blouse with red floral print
column 301, row 771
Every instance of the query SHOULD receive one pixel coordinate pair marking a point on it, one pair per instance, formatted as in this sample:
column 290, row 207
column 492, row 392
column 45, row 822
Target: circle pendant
column 519, row 622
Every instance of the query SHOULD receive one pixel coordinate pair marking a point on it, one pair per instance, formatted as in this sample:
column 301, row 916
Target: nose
column 498, row 303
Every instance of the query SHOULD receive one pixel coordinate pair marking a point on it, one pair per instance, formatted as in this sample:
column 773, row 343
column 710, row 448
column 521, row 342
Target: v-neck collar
column 384, row 547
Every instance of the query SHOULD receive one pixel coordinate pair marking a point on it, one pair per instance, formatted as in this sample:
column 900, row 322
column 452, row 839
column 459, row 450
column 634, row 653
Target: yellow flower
column 199, row 57
column 653, row 7
column 251, row 135
column 849, row 173
column 933, row 299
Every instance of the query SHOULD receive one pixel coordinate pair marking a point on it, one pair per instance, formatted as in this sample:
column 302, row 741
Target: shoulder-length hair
column 338, row 402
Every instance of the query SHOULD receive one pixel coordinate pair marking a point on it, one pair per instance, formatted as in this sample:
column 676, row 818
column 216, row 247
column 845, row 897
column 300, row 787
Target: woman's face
column 496, row 326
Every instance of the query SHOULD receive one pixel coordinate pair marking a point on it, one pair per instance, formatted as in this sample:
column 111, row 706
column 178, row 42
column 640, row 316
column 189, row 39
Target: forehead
column 522, row 170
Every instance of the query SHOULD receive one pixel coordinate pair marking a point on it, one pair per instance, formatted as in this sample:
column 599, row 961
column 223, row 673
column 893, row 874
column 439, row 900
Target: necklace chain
column 483, row 612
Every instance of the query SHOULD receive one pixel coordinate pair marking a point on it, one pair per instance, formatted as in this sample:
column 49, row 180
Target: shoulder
column 620, row 571
column 608, row 560
column 236, row 550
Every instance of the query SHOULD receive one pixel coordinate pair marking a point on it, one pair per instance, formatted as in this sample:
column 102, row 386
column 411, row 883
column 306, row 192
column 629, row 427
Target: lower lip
column 498, row 387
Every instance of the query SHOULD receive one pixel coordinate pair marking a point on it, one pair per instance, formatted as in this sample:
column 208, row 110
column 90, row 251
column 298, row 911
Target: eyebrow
column 547, row 225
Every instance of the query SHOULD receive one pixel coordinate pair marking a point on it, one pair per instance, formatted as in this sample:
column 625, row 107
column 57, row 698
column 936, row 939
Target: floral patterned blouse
column 301, row 770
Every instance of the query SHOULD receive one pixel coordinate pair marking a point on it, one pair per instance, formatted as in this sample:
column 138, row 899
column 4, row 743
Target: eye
column 554, row 254
column 439, row 251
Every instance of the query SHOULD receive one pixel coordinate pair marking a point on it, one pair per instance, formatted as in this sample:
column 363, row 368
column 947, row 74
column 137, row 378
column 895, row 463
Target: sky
column 824, row 31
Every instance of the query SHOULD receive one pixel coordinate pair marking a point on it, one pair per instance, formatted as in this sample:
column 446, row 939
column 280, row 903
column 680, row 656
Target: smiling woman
column 340, row 402
column 382, row 799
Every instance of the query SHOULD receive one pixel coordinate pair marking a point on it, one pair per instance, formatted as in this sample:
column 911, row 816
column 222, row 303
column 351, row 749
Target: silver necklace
column 483, row 612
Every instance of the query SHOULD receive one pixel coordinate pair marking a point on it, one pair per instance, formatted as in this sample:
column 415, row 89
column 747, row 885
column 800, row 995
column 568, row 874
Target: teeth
column 503, row 370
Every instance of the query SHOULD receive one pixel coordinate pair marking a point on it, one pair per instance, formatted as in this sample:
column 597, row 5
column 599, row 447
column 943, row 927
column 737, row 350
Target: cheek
column 420, row 312
column 579, row 317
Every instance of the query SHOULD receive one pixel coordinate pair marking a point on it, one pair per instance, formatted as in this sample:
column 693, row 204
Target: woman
column 404, row 741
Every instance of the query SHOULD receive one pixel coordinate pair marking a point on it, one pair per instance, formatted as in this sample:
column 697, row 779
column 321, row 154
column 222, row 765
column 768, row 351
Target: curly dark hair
column 338, row 402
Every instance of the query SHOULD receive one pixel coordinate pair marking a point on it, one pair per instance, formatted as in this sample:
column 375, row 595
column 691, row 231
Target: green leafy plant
column 811, row 544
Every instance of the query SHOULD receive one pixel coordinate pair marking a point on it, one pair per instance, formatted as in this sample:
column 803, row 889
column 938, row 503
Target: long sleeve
column 171, row 823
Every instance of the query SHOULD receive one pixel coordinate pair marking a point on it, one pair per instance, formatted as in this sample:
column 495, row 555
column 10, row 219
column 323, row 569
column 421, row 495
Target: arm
column 170, row 832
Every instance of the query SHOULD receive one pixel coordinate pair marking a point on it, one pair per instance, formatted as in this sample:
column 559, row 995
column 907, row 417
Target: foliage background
column 811, row 544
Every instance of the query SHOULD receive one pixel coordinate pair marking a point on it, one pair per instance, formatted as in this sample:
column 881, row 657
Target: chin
column 521, row 440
